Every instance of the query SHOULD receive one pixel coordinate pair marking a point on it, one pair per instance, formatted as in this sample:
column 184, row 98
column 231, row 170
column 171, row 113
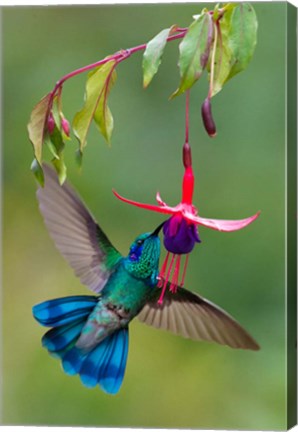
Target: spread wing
column 75, row 233
column 191, row 316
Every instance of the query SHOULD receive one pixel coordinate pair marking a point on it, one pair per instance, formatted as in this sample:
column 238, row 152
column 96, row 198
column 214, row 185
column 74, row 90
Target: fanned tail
column 105, row 364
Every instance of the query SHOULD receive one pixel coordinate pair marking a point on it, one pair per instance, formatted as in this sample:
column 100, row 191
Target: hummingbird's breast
column 127, row 292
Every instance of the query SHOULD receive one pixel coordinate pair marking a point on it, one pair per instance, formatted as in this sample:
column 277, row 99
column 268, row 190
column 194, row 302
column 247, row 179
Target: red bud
column 65, row 126
column 207, row 118
column 51, row 123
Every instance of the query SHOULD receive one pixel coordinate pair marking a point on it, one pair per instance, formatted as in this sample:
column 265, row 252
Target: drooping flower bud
column 65, row 126
column 186, row 155
column 207, row 118
column 51, row 123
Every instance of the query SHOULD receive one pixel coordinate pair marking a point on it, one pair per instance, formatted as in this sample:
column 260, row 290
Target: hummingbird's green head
column 143, row 258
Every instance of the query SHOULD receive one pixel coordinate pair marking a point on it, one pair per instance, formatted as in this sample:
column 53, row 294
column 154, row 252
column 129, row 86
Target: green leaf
column 36, row 125
column 103, row 116
column 37, row 171
column 153, row 54
column 242, row 36
column 57, row 140
column 221, row 58
column 194, row 52
column 48, row 142
column 79, row 158
column 235, row 44
column 60, row 169
column 215, row 15
column 95, row 87
column 56, row 113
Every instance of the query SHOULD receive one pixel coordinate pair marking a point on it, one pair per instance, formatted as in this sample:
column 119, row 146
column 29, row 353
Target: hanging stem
column 187, row 116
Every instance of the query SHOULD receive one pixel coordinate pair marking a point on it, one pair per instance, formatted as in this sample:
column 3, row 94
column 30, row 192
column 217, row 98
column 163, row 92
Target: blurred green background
column 170, row 382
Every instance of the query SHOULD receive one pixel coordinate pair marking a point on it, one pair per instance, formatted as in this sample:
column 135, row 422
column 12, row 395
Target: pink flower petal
column 222, row 225
column 166, row 210
column 160, row 201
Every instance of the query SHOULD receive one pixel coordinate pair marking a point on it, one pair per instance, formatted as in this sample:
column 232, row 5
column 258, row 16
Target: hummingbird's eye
column 140, row 242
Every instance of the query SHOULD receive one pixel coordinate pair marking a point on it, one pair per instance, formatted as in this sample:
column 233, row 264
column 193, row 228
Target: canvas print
column 149, row 177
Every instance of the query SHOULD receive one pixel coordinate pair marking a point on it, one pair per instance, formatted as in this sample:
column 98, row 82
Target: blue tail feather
column 72, row 361
column 92, row 365
column 111, row 373
column 59, row 338
column 105, row 364
column 57, row 312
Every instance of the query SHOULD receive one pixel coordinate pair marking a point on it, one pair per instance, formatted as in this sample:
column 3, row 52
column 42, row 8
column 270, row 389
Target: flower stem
column 212, row 62
column 187, row 116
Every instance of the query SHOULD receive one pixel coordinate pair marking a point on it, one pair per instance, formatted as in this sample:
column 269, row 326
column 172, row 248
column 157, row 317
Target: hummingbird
column 90, row 333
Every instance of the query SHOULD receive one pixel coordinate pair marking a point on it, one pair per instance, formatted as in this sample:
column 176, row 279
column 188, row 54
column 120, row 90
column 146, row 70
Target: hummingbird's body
column 122, row 298
column 90, row 333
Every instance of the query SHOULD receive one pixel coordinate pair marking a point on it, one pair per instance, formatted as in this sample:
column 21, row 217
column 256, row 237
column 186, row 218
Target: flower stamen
column 163, row 270
column 174, row 283
column 165, row 281
column 184, row 270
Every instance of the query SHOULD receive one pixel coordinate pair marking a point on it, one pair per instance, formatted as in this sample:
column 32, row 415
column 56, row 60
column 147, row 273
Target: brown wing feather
column 75, row 233
column 191, row 316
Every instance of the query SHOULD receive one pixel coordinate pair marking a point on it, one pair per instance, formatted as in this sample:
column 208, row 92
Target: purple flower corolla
column 179, row 236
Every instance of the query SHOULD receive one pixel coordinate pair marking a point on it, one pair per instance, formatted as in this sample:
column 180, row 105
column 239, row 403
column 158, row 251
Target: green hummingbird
column 89, row 334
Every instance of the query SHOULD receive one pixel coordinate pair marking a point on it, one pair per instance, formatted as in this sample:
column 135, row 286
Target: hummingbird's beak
column 156, row 231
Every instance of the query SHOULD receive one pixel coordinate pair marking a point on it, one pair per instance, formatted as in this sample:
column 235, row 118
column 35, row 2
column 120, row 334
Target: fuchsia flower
column 180, row 230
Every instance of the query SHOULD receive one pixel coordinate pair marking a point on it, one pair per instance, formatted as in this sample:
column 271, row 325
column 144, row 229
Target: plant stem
column 187, row 116
column 118, row 57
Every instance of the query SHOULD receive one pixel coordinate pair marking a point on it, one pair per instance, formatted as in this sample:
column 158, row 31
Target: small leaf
column 79, row 158
column 57, row 140
column 194, row 52
column 242, row 36
column 197, row 16
column 37, row 171
column 37, row 124
column 103, row 116
column 50, row 145
column 55, row 112
column 153, row 54
column 95, row 88
column 215, row 15
column 60, row 169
